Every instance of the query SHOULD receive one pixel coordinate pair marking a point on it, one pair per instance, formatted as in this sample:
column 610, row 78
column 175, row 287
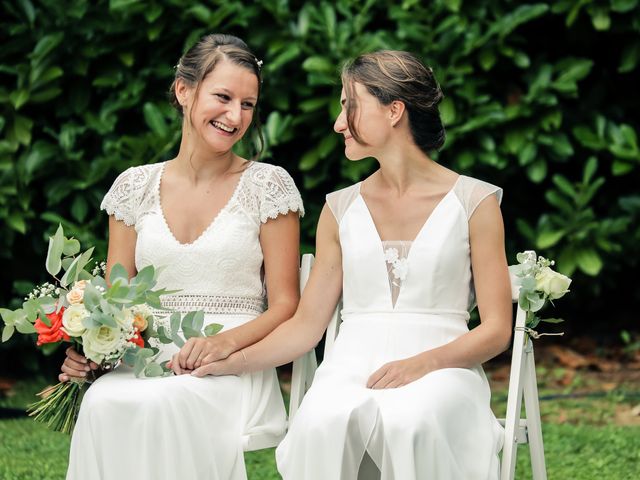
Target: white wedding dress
column 182, row 427
column 400, row 298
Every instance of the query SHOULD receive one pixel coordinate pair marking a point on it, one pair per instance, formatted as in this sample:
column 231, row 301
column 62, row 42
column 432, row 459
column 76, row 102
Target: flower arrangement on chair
column 539, row 284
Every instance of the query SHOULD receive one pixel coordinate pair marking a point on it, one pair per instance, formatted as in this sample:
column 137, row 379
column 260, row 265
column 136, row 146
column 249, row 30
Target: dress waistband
column 417, row 314
column 213, row 304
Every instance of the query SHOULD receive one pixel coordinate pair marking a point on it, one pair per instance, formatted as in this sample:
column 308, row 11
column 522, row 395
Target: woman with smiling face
column 226, row 232
column 402, row 394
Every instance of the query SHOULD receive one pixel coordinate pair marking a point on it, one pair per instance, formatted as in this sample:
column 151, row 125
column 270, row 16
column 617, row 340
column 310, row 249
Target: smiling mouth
column 223, row 127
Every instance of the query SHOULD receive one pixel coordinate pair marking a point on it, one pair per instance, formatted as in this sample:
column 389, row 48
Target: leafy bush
column 539, row 98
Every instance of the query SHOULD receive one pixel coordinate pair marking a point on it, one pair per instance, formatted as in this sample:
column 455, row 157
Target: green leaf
column 118, row 272
column 71, row 247
column 198, row 320
column 155, row 120
column 189, row 332
column 318, row 64
column 56, row 246
column 19, row 98
column 153, row 370
column 92, row 297
column 589, row 261
column 552, row 320
column 549, row 238
column 212, row 329
column 7, row 332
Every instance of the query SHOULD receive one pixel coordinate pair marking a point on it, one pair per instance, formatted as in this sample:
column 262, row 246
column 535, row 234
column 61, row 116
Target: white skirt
column 438, row 427
column 173, row 427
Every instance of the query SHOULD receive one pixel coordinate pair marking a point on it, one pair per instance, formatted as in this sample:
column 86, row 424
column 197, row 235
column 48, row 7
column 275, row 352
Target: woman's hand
column 232, row 365
column 75, row 366
column 398, row 373
column 200, row 351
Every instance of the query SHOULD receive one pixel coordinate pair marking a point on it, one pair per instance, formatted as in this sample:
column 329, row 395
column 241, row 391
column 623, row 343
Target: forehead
column 232, row 77
column 359, row 91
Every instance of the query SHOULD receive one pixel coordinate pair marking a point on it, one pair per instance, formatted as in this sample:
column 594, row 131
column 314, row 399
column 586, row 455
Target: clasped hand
column 398, row 373
column 198, row 351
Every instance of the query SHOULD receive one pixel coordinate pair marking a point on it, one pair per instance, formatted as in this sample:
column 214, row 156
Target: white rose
column 99, row 342
column 124, row 319
column 72, row 319
column 554, row 284
column 75, row 296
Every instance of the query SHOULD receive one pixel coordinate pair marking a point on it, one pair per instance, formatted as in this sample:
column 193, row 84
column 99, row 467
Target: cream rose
column 80, row 284
column 99, row 342
column 75, row 296
column 72, row 319
column 552, row 283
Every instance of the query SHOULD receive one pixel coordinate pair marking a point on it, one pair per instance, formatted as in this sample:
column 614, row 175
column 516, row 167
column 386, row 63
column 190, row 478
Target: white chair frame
column 302, row 375
column 522, row 383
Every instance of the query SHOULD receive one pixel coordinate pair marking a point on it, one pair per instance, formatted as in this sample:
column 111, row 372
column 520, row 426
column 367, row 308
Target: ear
column 396, row 111
column 183, row 92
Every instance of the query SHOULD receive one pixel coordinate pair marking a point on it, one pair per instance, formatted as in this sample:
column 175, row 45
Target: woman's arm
column 122, row 247
column 493, row 292
column 279, row 239
column 304, row 330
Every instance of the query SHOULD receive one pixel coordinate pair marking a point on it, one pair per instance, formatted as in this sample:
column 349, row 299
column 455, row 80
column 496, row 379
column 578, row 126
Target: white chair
column 522, row 382
column 303, row 369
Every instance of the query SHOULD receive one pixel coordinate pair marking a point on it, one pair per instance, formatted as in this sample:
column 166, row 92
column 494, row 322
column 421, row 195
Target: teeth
column 223, row 127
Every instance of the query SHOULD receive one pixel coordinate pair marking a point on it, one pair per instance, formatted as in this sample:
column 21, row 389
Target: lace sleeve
column 279, row 195
column 125, row 194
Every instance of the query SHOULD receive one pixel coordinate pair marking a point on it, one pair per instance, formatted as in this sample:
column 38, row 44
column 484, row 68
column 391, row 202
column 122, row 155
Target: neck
column 403, row 166
column 199, row 163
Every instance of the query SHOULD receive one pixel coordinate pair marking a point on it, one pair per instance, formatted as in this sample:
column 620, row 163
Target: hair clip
column 258, row 62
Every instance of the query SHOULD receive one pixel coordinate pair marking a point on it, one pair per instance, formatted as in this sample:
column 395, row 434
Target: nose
column 340, row 125
column 234, row 113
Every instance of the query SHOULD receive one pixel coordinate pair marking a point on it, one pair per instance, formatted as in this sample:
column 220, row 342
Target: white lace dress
column 183, row 427
column 400, row 298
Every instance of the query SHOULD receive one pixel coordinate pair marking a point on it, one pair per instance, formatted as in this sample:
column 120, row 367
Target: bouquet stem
column 59, row 405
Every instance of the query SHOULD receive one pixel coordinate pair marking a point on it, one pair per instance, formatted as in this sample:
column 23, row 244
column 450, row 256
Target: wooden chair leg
column 532, row 408
column 514, row 402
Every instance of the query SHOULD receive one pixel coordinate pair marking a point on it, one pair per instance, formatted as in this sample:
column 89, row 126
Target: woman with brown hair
column 223, row 228
column 402, row 394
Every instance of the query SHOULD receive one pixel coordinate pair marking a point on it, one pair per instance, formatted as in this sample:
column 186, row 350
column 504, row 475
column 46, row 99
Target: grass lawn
column 585, row 438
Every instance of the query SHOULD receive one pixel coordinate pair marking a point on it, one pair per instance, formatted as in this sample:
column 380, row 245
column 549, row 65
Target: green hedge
column 540, row 99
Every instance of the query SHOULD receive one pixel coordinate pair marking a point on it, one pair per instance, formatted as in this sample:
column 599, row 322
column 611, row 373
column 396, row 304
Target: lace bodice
column 430, row 273
column 220, row 271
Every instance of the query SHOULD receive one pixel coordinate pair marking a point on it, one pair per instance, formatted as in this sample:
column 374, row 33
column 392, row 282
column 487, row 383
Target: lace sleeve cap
column 122, row 198
column 279, row 195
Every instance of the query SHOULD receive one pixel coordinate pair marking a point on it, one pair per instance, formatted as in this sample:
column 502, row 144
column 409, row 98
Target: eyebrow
column 225, row 90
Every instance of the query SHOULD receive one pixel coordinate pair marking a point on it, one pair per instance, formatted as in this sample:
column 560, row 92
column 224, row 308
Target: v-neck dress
column 400, row 298
column 181, row 426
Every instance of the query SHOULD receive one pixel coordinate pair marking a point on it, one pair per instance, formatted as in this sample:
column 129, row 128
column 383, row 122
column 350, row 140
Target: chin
column 354, row 156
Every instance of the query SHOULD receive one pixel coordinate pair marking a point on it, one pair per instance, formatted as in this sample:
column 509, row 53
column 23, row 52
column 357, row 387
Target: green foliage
column 536, row 94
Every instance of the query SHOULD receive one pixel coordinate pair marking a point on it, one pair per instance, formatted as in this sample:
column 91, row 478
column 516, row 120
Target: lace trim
column 290, row 204
column 212, row 304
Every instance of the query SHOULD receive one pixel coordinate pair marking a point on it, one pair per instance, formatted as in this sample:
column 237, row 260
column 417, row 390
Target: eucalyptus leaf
column 56, row 246
column 7, row 332
column 153, row 370
column 212, row 329
column 118, row 272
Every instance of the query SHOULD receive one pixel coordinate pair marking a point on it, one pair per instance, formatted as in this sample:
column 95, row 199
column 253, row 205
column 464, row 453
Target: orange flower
column 51, row 334
column 137, row 339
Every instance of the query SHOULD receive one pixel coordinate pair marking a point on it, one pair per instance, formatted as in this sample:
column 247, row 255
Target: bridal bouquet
column 539, row 283
column 108, row 323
